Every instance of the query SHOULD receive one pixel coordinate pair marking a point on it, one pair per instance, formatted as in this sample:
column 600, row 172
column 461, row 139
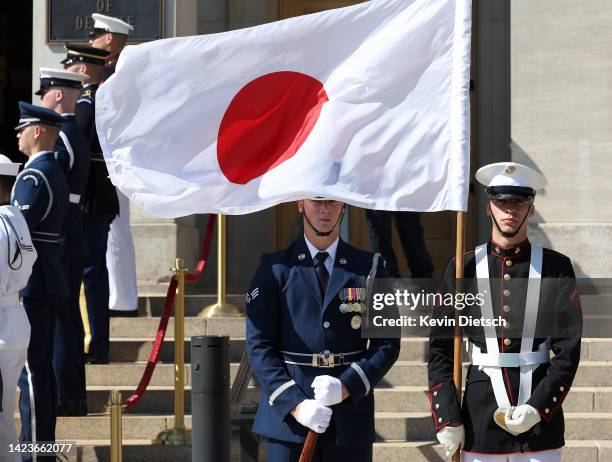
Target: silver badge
column 356, row 322
column 301, row 256
column 343, row 261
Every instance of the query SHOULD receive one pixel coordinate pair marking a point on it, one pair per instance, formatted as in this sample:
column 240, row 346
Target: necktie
column 322, row 273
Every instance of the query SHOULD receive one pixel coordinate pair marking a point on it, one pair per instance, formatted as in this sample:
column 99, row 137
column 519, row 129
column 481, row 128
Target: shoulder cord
column 369, row 284
column 20, row 246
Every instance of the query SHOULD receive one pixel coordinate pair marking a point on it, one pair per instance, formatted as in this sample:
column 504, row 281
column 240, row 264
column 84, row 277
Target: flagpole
column 458, row 334
column 221, row 309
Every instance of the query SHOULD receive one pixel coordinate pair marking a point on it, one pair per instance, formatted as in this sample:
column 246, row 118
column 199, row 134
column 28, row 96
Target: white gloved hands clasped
column 327, row 390
column 313, row 415
column 522, row 418
column 452, row 438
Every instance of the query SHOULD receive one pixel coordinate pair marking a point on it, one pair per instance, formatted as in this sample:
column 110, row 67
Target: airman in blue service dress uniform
column 514, row 390
column 100, row 202
column 59, row 91
column 41, row 193
column 315, row 370
column 17, row 256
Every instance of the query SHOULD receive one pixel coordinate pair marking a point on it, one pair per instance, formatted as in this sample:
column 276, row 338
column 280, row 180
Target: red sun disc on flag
column 267, row 122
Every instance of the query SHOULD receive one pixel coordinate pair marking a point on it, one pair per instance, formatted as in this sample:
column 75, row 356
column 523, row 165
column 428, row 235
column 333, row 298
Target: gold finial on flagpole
column 221, row 309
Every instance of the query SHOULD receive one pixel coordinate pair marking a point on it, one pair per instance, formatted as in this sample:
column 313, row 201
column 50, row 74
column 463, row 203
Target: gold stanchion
column 221, row 309
column 178, row 435
column 116, row 430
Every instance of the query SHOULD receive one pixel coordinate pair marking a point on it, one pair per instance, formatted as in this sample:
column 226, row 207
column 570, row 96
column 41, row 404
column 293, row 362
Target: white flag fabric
column 367, row 104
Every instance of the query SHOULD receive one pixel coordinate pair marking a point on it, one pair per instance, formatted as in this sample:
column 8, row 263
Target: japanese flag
column 367, row 104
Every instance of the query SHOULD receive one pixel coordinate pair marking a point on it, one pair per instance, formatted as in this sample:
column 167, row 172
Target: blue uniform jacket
column 41, row 193
column 72, row 152
column 285, row 312
column 100, row 195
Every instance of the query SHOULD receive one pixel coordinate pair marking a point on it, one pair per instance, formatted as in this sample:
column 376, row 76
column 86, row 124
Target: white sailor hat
column 8, row 167
column 103, row 24
column 506, row 180
column 56, row 78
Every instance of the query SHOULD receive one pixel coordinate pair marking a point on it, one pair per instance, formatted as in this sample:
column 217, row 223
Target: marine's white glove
column 452, row 438
column 313, row 415
column 327, row 390
column 522, row 419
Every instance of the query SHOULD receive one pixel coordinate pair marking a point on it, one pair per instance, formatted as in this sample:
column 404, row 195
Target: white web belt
column 527, row 360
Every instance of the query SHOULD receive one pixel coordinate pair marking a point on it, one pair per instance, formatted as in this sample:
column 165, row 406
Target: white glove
column 327, row 390
column 522, row 419
column 452, row 438
column 313, row 415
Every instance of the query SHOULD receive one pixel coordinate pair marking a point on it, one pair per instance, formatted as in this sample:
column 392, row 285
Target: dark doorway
column 15, row 69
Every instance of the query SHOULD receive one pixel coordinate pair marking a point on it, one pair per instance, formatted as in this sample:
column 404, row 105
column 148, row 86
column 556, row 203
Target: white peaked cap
column 49, row 73
column 110, row 24
column 510, row 174
column 8, row 167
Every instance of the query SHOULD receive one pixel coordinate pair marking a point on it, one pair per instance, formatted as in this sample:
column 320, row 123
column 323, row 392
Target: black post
column 210, row 386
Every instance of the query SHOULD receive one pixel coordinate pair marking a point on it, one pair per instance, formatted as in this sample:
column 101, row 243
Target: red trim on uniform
column 553, row 410
column 507, row 384
column 433, row 412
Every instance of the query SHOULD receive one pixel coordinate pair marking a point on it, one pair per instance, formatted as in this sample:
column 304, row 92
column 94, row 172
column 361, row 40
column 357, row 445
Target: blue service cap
column 37, row 115
column 84, row 53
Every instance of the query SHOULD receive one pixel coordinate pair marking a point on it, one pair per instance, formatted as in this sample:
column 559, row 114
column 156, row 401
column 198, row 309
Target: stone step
column 156, row 400
column 413, row 451
column 134, row 348
column 159, row 399
column 403, row 373
column 418, row 426
column 153, row 305
column 390, row 426
column 146, row 327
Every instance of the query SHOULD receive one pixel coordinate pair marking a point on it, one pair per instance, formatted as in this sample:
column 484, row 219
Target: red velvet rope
column 201, row 264
column 163, row 322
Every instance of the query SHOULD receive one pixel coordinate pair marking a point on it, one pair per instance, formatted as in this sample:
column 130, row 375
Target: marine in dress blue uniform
column 296, row 333
column 41, row 193
column 59, row 90
column 512, row 404
column 100, row 204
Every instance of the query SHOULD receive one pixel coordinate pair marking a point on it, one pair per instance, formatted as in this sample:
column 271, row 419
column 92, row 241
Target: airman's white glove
column 522, row 419
column 313, row 415
column 327, row 390
column 452, row 438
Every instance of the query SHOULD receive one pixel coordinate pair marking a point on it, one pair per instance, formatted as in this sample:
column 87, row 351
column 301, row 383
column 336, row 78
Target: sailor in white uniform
column 111, row 34
column 17, row 255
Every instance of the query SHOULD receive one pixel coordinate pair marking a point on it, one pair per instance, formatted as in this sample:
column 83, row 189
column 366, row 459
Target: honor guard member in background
column 17, row 255
column 59, row 91
column 410, row 233
column 315, row 370
column 100, row 202
column 41, row 193
column 514, row 390
column 111, row 34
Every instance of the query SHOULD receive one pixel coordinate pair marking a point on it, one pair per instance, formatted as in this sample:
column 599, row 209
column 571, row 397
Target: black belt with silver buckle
column 325, row 359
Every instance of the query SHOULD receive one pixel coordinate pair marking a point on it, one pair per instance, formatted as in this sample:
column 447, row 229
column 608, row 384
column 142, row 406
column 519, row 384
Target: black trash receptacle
column 210, row 387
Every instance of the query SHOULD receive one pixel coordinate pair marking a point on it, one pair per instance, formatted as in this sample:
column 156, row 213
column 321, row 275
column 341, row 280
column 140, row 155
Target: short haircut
column 6, row 184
